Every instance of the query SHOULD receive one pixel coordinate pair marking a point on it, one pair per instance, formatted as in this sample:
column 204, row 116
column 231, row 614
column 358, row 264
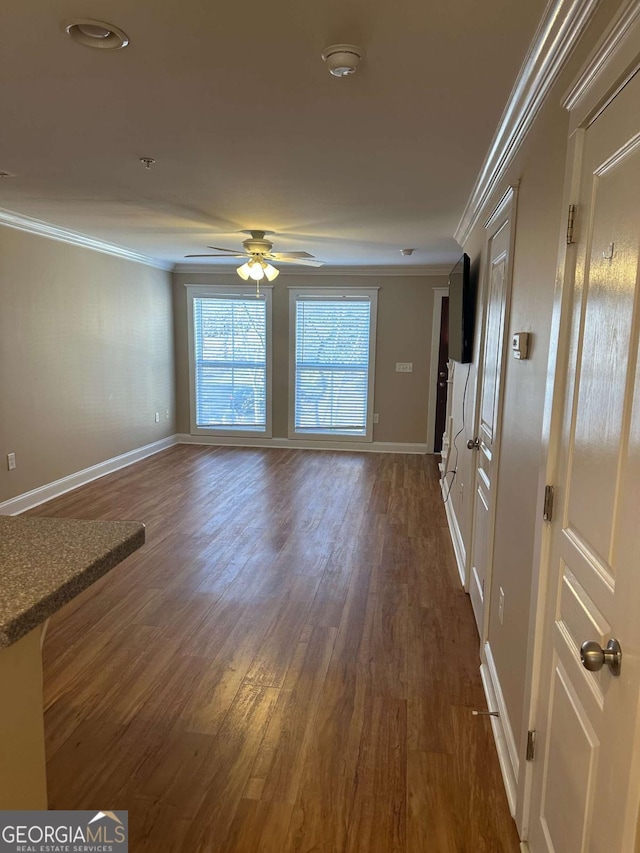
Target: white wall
column 86, row 358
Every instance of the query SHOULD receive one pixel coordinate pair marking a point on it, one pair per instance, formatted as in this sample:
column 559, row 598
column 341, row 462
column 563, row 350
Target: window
column 332, row 358
column 230, row 360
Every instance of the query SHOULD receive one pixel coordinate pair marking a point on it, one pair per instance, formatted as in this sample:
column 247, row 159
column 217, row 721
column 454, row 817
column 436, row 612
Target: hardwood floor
column 289, row 664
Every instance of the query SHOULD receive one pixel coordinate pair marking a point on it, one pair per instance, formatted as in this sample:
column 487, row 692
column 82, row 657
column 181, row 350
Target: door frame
column 504, row 211
column 612, row 63
column 439, row 294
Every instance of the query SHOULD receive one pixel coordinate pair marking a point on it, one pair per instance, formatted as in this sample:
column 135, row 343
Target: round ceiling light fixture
column 96, row 34
column 342, row 59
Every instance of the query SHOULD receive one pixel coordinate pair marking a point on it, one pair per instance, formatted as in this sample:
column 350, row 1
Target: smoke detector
column 342, row 59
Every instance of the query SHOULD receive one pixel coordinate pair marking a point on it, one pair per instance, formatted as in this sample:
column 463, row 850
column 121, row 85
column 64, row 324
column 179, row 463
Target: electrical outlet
column 157, row 417
column 11, row 461
column 404, row 367
column 501, row 606
column 166, row 414
column 376, row 419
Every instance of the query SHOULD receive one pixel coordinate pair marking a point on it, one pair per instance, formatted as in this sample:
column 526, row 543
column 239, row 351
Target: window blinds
column 332, row 365
column 230, row 362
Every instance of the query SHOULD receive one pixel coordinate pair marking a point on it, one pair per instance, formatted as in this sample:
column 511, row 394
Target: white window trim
column 353, row 293
column 232, row 291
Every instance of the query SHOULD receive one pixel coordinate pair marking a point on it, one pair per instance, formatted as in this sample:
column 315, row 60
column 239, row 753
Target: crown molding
column 64, row 235
column 399, row 270
column 610, row 65
column 560, row 29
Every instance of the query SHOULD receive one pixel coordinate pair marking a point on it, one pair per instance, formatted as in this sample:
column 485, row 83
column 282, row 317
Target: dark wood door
column 443, row 358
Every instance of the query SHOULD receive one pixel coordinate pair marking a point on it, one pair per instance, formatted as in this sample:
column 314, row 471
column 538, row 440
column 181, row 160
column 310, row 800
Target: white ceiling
column 248, row 128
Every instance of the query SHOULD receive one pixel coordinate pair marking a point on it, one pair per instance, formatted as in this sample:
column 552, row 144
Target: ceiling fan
column 257, row 248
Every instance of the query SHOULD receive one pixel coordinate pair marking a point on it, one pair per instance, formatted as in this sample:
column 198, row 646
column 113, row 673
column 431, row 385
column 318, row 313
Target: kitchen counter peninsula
column 44, row 564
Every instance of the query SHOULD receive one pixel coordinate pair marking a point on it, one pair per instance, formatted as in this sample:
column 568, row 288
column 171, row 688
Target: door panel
column 578, row 616
column 572, row 752
column 595, row 441
column 586, row 790
column 494, row 339
column 480, row 545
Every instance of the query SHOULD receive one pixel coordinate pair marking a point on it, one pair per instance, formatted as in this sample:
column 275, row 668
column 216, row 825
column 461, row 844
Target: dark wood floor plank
column 280, row 761
column 432, row 803
column 289, row 664
column 232, row 754
column 379, row 805
column 206, row 705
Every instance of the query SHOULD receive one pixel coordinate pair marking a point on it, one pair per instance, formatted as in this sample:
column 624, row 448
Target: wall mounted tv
column 462, row 305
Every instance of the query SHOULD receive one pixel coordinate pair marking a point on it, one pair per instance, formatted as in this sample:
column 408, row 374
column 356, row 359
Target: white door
column 586, row 776
column 490, row 384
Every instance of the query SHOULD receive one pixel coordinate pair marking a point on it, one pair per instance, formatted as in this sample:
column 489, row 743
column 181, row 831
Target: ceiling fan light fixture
column 256, row 271
column 342, row 59
column 244, row 270
column 97, row 34
column 271, row 273
column 258, row 251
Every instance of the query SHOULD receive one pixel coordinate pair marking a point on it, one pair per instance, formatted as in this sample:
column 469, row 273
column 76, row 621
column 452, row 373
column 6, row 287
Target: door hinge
column 547, row 509
column 531, row 745
column 570, row 224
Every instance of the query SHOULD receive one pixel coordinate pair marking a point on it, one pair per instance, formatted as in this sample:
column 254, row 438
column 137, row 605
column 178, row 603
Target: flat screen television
column 462, row 304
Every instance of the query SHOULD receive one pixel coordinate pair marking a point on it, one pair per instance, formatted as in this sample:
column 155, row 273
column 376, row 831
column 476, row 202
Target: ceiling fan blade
column 302, row 261
column 291, row 255
column 215, row 256
column 219, row 249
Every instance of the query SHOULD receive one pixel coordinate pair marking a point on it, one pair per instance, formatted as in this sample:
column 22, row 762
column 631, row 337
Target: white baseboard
column 294, row 444
column 456, row 537
column 38, row 496
column 501, row 726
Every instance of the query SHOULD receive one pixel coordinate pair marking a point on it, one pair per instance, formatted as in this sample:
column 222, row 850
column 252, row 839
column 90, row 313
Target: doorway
column 440, row 294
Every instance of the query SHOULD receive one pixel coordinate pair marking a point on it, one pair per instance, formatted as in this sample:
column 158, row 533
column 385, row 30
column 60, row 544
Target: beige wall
column 405, row 305
column 539, row 166
column 86, row 358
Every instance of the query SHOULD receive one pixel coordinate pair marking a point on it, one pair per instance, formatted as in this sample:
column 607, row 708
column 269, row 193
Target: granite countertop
column 46, row 562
